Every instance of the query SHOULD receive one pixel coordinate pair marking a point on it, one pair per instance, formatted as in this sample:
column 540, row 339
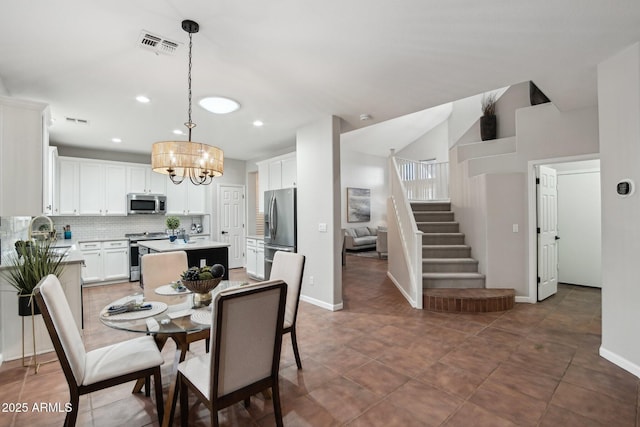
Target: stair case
column 446, row 260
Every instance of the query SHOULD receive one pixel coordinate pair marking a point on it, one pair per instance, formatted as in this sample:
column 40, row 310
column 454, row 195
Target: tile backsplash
column 97, row 227
column 91, row 227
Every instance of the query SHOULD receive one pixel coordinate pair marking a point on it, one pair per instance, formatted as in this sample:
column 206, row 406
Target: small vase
column 24, row 305
column 488, row 127
column 172, row 238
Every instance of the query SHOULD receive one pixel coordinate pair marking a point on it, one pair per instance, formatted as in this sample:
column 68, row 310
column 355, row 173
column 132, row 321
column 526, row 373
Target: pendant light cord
column 190, row 124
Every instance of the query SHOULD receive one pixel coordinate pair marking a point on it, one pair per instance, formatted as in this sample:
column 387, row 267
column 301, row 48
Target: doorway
column 231, row 209
column 578, row 232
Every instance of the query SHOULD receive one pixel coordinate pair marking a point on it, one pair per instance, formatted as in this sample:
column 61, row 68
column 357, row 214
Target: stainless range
column 134, row 251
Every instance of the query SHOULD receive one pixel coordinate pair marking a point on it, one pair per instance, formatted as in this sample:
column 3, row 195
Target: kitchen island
column 199, row 253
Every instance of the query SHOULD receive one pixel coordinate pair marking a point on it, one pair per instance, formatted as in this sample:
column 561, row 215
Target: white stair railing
column 424, row 180
column 405, row 266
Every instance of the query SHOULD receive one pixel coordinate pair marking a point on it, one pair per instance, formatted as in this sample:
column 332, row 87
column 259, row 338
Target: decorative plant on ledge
column 33, row 261
column 173, row 223
column 488, row 121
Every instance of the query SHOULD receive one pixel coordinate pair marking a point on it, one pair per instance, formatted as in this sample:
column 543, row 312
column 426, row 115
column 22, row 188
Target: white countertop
column 255, row 236
column 179, row 245
column 73, row 257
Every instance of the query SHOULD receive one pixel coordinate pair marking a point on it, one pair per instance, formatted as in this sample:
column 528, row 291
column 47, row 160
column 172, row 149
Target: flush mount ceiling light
column 181, row 159
column 143, row 99
column 258, row 123
column 219, row 104
column 116, row 140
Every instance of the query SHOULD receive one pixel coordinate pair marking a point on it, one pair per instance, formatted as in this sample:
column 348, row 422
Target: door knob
column 224, row 232
column 557, row 237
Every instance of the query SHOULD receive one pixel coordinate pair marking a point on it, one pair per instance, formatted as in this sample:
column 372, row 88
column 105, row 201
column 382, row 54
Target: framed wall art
column 358, row 204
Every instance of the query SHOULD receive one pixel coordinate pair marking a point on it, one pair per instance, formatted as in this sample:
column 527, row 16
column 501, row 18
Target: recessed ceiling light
column 178, row 132
column 219, row 105
column 116, row 140
column 142, row 99
column 258, row 123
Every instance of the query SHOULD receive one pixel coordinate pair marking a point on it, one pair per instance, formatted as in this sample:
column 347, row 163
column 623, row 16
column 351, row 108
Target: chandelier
column 181, row 159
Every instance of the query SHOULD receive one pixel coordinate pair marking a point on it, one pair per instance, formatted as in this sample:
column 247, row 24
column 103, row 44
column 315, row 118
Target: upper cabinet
column 23, row 144
column 102, row 189
column 186, row 198
column 142, row 179
column 275, row 173
column 50, row 182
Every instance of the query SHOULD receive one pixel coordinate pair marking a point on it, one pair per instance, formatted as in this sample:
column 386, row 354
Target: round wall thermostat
column 625, row 188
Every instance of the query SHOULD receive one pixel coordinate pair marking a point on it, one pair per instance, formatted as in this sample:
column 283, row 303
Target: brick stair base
column 468, row 300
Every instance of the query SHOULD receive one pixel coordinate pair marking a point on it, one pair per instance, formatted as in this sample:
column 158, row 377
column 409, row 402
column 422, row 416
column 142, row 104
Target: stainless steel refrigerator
column 280, row 225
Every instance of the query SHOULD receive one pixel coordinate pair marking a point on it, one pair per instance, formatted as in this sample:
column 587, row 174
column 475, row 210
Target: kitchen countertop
column 73, row 257
column 256, row 236
column 179, row 245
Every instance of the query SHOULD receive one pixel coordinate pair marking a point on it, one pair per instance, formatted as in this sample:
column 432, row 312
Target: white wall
column 542, row 132
column 432, row 145
column 619, row 113
column 364, row 171
column 579, row 254
column 318, row 169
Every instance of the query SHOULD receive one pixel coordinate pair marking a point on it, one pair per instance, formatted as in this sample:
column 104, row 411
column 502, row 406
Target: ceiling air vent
column 157, row 44
column 75, row 121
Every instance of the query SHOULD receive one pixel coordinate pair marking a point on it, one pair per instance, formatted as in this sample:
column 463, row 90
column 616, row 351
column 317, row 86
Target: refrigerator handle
column 271, row 217
column 274, row 217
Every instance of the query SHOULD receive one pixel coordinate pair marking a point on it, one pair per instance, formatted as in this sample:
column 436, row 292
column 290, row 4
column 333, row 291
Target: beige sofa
column 360, row 238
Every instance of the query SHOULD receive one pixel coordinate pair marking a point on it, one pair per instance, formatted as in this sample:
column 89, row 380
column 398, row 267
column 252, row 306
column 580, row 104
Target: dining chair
column 97, row 369
column 246, row 339
column 163, row 268
column 289, row 267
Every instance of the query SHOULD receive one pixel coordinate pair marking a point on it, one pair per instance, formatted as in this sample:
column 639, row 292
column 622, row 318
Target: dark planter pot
column 24, row 305
column 488, row 127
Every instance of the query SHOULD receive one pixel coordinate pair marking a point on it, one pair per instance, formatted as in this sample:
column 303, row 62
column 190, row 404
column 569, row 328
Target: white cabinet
column 142, row 179
column 92, row 254
column 86, row 187
column 115, row 260
column 50, row 183
column 199, row 238
column 186, row 199
column 22, row 151
column 255, row 258
column 274, row 174
column 105, row 261
column 102, row 189
column 260, row 259
column 68, row 188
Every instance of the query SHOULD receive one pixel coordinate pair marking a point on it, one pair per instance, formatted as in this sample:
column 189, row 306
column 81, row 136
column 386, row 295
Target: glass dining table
column 176, row 320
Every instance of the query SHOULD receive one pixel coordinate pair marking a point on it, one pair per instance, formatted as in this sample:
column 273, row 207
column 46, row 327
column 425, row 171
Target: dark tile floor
column 380, row 363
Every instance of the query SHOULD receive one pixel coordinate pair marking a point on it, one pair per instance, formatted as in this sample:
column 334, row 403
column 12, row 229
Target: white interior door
column 231, row 200
column 547, row 232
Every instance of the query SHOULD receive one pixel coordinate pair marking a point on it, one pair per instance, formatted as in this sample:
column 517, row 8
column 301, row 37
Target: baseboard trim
column 402, row 291
column 322, row 304
column 620, row 361
column 528, row 300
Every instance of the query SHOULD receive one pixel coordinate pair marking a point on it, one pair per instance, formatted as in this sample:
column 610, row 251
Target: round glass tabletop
column 175, row 319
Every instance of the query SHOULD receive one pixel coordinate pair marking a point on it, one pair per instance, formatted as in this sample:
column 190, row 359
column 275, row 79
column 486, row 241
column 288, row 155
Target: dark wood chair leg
column 72, row 416
column 294, row 342
column 157, row 382
column 207, row 344
column 277, row 410
column 247, row 402
column 147, row 386
column 183, row 390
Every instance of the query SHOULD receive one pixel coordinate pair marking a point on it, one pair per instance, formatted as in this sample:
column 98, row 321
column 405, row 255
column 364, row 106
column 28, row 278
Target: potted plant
column 31, row 262
column 488, row 121
column 173, row 223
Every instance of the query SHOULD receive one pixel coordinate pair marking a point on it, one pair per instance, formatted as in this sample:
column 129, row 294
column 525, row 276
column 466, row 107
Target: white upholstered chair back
column 161, row 269
column 65, row 326
column 246, row 335
column 289, row 268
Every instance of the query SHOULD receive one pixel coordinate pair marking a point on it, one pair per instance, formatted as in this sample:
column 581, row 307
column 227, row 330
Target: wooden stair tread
column 468, row 300
column 449, row 260
column 456, row 275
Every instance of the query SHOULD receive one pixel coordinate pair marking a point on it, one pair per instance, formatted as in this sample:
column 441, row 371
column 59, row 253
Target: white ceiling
column 291, row 62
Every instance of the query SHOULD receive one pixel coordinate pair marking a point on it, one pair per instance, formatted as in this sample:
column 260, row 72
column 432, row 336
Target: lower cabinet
column 255, row 258
column 105, row 261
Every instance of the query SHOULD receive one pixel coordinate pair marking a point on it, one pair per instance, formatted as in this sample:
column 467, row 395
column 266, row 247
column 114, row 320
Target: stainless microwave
column 146, row 204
